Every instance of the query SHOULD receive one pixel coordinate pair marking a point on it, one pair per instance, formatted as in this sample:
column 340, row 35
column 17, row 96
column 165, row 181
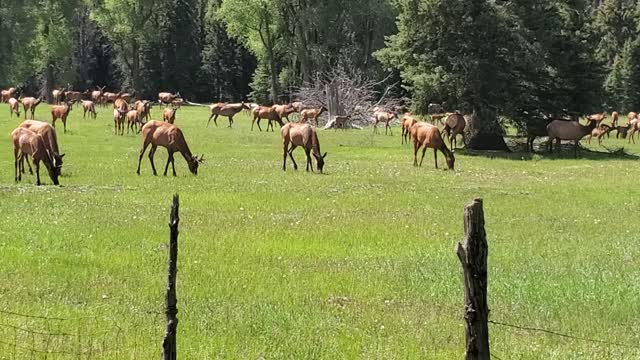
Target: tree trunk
column 135, row 66
column 484, row 132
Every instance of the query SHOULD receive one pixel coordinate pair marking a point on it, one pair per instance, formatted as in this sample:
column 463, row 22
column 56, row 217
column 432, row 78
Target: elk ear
column 61, row 156
column 324, row 155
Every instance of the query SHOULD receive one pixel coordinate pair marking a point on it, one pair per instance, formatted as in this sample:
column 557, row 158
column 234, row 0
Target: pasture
column 356, row 263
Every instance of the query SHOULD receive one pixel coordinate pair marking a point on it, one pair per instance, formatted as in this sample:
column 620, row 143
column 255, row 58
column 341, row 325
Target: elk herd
column 37, row 140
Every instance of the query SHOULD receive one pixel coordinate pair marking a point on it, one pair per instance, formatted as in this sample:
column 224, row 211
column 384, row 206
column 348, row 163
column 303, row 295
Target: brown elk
column 133, row 120
column 384, row 117
column 298, row 106
column 425, row 135
column 61, row 112
column 8, row 94
column 96, row 95
column 119, row 115
column 534, row 130
column 568, row 130
column 228, row 110
column 304, row 135
column 89, row 107
column 14, row 107
column 266, row 112
column 614, row 119
column 454, row 125
column 109, row 97
column 144, row 109
column 169, row 136
column 28, row 143
column 126, row 97
column 284, row 111
column 73, row 96
column 166, row 97
column 177, row 103
column 50, row 138
column 406, row 123
column 169, row 115
column 57, row 95
column 341, row 122
column 312, row 114
column 599, row 132
column 30, row 103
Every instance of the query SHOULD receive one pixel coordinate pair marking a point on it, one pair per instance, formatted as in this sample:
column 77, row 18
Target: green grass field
column 356, row 263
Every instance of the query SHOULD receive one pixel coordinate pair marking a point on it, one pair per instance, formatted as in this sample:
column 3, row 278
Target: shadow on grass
column 520, row 153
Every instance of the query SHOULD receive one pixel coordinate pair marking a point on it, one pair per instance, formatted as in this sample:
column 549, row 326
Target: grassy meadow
column 356, row 263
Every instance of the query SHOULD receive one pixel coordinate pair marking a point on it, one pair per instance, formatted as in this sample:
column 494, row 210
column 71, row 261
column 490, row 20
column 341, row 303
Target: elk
column 298, row 106
column 312, row 114
column 96, row 95
column 304, row 135
column 158, row 133
column 425, row 135
column 57, row 95
column 453, row 126
column 144, row 109
column 119, row 115
column 341, row 122
column 88, row 107
column 7, row 94
column 568, row 130
column 284, row 111
column 224, row 109
column 50, row 138
column 598, row 118
column 61, row 112
column 126, row 97
column 406, row 123
column 634, row 127
column 169, row 115
column 166, row 97
column 177, row 103
column 110, row 97
column 384, row 117
column 266, row 112
column 621, row 131
column 599, row 132
column 133, row 119
column 538, row 128
column 30, row 103
column 73, row 96
column 28, row 143
column 14, row 107
column 614, row 119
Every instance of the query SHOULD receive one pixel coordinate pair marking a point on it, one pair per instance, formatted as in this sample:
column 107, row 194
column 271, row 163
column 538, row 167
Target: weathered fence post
column 472, row 253
column 169, row 351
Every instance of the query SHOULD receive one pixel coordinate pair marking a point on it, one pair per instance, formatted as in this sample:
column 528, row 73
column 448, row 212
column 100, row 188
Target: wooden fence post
column 472, row 253
column 169, row 351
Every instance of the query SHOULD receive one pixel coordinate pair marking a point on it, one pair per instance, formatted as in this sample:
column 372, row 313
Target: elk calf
column 133, row 120
column 169, row 115
column 14, row 107
column 28, row 143
column 385, row 117
column 89, row 106
column 30, row 103
column 61, row 112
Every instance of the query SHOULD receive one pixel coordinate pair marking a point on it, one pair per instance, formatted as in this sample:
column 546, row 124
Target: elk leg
column 36, row 164
column 558, row 144
column 575, row 149
column 435, row 156
column 309, row 164
column 257, row 123
column 284, row 156
column 589, row 139
column 173, row 164
column 210, row 117
column 16, row 155
column 295, row 166
column 416, row 147
column 144, row 148
column 215, row 120
column 166, row 167
column 26, row 158
column 424, row 150
column 230, row 120
column 151, row 153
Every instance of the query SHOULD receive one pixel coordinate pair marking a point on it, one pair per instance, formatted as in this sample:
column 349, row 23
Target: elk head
column 193, row 164
column 320, row 161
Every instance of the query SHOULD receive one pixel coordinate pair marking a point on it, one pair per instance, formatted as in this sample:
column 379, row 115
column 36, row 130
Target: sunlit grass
column 356, row 263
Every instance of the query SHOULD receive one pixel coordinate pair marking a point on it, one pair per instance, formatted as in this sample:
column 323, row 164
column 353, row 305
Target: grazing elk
column 568, row 130
column 406, row 123
column 599, row 132
column 425, row 135
column 88, row 106
column 453, row 126
column 57, row 95
column 14, row 107
column 158, row 133
column 61, row 112
column 312, row 114
column 266, row 112
column 30, row 103
column 8, row 94
column 383, row 116
column 28, row 143
column 166, row 98
column 224, row 109
column 96, row 95
column 50, row 138
column 169, row 115
column 304, row 135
